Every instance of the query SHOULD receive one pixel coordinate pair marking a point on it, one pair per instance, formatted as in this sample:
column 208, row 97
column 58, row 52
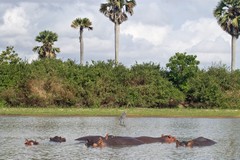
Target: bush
column 51, row 82
column 222, row 74
column 147, row 88
column 181, row 68
column 204, row 92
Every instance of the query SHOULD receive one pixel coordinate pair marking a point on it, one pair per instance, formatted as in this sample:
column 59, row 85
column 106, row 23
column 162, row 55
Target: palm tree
column 47, row 38
column 227, row 13
column 81, row 24
column 116, row 11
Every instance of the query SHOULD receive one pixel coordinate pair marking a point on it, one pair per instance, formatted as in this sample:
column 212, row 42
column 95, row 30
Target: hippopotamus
column 89, row 138
column 110, row 140
column 30, row 142
column 58, row 139
column 197, row 142
column 162, row 139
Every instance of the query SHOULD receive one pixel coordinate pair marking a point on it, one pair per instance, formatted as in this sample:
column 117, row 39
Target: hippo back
column 122, row 141
column 89, row 138
column 201, row 141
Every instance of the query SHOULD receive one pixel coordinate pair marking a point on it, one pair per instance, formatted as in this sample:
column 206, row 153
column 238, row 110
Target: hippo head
column 30, row 142
column 100, row 143
column 89, row 143
column 184, row 144
column 57, row 139
column 169, row 138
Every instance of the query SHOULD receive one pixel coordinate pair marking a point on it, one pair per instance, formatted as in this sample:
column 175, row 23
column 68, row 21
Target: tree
column 227, row 13
column 47, row 38
column 81, row 24
column 181, row 68
column 9, row 56
column 116, row 11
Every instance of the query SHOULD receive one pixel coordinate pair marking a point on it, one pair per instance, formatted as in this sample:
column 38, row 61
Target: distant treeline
column 53, row 82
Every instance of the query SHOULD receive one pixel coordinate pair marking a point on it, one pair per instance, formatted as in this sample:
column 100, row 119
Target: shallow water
column 14, row 130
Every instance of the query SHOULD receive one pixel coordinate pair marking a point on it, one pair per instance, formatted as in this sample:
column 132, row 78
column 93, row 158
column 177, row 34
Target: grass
column 131, row 112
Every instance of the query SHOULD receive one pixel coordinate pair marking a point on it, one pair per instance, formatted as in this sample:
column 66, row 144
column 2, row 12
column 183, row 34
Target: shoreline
column 115, row 112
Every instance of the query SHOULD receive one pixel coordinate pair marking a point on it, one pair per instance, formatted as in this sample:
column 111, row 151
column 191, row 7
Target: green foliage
column 181, row 67
column 147, row 88
column 9, row 56
column 52, row 82
column 82, row 23
column 228, row 16
column 116, row 10
column 204, row 91
column 232, row 95
column 223, row 76
column 47, row 38
column 11, row 74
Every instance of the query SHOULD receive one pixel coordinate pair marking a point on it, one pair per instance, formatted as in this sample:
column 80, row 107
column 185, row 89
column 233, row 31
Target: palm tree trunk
column 81, row 46
column 233, row 50
column 117, row 33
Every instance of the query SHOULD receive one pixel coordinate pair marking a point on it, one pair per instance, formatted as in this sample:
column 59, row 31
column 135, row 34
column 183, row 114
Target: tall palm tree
column 81, row 24
column 116, row 11
column 47, row 38
column 227, row 13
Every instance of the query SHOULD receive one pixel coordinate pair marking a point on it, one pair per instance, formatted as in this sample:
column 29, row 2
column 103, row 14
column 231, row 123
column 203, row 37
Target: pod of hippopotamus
column 197, row 142
column 121, row 141
column 59, row 139
column 110, row 140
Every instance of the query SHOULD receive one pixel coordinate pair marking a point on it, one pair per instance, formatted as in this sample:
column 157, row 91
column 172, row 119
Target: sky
column 157, row 30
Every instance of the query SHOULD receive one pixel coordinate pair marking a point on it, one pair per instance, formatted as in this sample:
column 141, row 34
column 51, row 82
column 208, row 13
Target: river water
column 14, row 131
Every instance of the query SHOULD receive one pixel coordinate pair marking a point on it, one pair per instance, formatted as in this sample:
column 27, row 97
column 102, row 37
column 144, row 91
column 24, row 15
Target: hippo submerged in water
column 57, row 139
column 30, row 142
column 197, row 142
column 162, row 139
column 89, row 138
column 109, row 140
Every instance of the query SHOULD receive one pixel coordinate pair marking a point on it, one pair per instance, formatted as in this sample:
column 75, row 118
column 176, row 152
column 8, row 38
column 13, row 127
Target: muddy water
column 14, row 130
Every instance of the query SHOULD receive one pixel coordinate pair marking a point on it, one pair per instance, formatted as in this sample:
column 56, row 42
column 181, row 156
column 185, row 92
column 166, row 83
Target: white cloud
column 151, row 33
column 219, row 45
column 15, row 21
column 154, row 33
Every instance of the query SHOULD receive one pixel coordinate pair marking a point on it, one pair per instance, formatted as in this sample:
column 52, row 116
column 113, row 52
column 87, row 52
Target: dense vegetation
column 52, row 82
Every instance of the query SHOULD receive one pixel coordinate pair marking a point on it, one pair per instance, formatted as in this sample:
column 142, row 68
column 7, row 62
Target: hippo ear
column 177, row 143
column 87, row 143
column 190, row 143
column 106, row 137
column 100, row 142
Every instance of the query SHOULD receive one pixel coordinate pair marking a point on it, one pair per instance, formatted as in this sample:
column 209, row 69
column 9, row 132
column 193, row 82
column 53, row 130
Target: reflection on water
column 14, row 130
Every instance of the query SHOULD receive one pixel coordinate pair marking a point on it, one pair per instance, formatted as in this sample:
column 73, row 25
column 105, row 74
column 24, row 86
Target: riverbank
column 131, row 112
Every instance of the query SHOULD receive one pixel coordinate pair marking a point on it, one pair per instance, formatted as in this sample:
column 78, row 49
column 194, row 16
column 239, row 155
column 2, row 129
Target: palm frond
column 116, row 10
column 227, row 13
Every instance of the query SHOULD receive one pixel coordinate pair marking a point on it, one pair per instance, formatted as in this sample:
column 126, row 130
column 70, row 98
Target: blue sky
column 157, row 30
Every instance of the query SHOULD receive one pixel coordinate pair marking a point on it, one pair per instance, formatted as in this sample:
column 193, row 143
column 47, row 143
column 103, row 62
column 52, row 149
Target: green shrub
column 52, row 82
column 222, row 74
column 147, row 88
column 204, row 91
column 181, row 68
